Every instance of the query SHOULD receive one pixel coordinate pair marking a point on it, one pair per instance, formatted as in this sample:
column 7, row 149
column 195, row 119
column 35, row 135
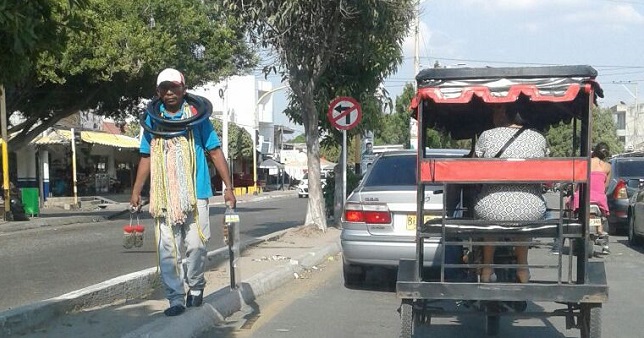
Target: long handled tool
column 231, row 237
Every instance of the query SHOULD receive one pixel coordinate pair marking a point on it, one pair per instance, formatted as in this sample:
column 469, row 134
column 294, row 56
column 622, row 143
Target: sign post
column 344, row 113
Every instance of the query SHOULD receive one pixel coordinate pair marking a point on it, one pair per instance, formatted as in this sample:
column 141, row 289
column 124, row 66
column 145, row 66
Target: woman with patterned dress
column 509, row 202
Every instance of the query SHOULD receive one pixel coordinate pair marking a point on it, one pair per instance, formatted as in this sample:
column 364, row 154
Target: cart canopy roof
column 459, row 101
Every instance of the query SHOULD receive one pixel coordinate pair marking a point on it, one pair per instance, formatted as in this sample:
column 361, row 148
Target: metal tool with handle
column 231, row 237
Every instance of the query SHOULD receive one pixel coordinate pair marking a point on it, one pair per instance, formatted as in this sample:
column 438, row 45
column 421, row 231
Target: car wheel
column 299, row 196
column 354, row 275
column 633, row 238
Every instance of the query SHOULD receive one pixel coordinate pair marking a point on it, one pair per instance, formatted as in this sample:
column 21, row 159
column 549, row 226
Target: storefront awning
column 112, row 140
column 65, row 136
column 271, row 164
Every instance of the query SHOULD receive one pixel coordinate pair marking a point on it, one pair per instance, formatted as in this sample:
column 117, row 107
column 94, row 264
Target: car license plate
column 595, row 222
column 411, row 221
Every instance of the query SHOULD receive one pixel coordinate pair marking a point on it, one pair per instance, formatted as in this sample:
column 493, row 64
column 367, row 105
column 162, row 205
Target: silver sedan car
column 379, row 219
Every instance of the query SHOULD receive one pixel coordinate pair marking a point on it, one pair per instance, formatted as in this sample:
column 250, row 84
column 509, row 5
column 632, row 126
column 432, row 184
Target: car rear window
column 630, row 168
column 392, row 170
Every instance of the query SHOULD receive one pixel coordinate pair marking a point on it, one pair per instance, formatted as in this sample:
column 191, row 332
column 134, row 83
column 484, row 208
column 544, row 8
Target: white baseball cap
column 170, row 75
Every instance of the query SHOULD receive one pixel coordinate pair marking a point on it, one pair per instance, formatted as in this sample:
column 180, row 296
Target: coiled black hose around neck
column 172, row 128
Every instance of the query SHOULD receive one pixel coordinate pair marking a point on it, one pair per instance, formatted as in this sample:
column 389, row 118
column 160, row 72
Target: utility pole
column 413, row 125
column 417, row 38
column 5, row 156
column 74, row 180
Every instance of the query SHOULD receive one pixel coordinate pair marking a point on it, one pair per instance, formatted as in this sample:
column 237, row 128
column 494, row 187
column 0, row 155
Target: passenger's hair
column 601, row 151
column 514, row 116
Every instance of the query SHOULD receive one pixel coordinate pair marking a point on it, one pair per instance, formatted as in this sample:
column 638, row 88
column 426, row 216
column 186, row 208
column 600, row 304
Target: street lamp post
column 256, row 128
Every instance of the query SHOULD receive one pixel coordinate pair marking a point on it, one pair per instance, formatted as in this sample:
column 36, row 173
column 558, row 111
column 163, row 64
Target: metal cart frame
column 457, row 101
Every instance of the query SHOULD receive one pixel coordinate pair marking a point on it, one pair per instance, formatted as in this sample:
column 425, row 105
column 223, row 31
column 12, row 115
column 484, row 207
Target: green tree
column 560, row 141
column 132, row 129
column 327, row 48
column 28, row 28
column 240, row 142
column 298, row 139
column 331, row 152
column 112, row 63
column 394, row 128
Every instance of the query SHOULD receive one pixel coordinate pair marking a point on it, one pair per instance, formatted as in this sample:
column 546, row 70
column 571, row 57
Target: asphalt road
column 318, row 305
column 47, row 262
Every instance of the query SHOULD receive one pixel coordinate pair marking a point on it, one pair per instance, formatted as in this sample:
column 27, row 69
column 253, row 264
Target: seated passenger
column 599, row 180
column 511, row 138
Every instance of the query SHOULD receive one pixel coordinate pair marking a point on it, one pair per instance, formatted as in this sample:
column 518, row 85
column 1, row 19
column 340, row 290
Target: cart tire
column 492, row 324
column 591, row 321
column 407, row 322
column 354, row 275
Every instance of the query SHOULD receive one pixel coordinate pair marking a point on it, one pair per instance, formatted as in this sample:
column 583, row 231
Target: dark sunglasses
column 166, row 86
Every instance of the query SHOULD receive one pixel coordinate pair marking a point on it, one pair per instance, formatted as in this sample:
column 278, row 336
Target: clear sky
column 606, row 34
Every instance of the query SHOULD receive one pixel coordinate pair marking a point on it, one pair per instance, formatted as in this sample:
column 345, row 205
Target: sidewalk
column 132, row 305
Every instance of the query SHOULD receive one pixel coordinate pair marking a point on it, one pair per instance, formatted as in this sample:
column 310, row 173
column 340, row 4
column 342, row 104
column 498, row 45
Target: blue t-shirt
column 205, row 139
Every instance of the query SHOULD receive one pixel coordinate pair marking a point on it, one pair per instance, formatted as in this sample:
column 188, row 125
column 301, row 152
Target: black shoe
column 174, row 310
column 193, row 300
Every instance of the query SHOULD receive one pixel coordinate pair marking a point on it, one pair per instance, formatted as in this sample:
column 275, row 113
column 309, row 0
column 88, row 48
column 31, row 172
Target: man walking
column 179, row 189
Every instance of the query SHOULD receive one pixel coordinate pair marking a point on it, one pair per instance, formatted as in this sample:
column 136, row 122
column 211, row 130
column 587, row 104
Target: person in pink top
column 599, row 179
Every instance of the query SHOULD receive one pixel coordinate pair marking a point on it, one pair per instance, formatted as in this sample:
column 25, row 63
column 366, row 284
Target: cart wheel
column 407, row 318
column 591, row 321
column 492, row 325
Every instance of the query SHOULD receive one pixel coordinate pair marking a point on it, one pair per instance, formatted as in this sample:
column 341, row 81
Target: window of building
column 621, row 120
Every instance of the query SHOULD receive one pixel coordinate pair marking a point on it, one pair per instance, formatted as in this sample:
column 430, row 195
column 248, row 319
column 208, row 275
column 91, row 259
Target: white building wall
column 238, row 95
column 633, row 132
column 26, row 166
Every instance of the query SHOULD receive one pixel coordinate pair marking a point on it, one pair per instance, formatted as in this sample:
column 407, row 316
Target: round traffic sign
column 344, row 112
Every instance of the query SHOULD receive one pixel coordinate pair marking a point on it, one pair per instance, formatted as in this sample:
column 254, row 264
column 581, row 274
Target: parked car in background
column 626, row 171
column 379, row 219
column 636, row 215
column 303, row 186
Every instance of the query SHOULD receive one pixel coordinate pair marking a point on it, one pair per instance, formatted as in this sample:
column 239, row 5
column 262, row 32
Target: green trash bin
column 31, row 201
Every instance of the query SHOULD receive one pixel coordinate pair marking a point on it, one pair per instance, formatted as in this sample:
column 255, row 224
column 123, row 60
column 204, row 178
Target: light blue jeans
column 171, row 241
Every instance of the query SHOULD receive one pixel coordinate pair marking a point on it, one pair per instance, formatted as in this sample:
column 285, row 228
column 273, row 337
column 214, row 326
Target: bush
column 329, row 189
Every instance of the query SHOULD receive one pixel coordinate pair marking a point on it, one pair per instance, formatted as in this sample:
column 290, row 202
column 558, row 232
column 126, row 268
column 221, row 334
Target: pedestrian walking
column 177, row 139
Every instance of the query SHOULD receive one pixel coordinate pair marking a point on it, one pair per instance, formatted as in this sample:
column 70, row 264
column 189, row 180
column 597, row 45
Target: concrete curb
column 131, row 286
column 226, row 301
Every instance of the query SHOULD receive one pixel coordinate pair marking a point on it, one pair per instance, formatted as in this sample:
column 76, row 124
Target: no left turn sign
column 344, row 112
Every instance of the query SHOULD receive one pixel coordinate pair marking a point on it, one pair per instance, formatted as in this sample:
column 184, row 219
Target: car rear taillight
column 377, row 217
column 354, row 216
column 620, row 190
column 367, row 213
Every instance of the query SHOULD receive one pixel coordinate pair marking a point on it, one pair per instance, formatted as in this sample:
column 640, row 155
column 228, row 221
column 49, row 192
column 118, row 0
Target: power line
column 522, row 63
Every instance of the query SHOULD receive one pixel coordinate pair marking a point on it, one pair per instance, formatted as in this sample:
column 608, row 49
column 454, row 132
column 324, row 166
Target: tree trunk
column 315, row 212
